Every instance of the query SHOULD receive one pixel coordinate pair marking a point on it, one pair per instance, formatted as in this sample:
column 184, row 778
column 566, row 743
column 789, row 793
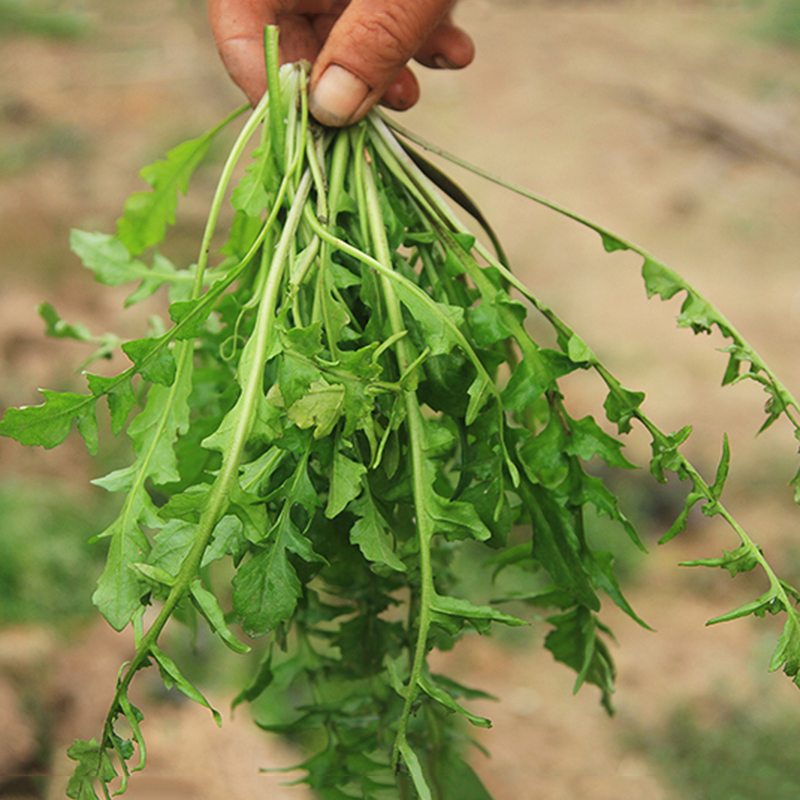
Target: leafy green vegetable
column 346, row 394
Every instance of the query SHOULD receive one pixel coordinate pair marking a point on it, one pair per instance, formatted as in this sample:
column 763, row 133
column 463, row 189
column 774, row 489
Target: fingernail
column 440, row 62
column 337, row 96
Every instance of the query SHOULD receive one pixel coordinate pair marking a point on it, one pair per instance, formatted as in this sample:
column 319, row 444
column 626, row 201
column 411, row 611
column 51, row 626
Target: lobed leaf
column 120, row 587
column 372, row 534
column 152, row 359
column 266, row 588
column 172, row 676
column 48, row 424
column 743, row 559
column 768, row 602
column 458, row 607
column 574, row 642
column 209, row 607
column 441, row 696
column 622, row 406
column 787, row 651
column 147, row 214
column 119, row 395
column 59, row 329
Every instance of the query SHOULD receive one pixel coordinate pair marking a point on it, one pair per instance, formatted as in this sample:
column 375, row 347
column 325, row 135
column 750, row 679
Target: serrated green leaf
column 579, row 352
column 155, row 430
column 259, row 684
column 722, row 469
column 682, row 519
column 480, row 391
column 593, row 491
column 155, row 576
column 600, row 567
column 544, row 456
column 697, row 313
column 551, row 597
column 120, row 587
column 787, row 651
column 209, row 608
column 611, row 243
column 189, row 316
column 534, row 375
column 458, row 607
column 660, row 280
column 106, row 256
column 415, row 770
column 93, row 764
column 456, row 779
column 438, row 320
column 228, row 540
column 621, row 406
column 456, row 519
column 768, row 602
column 152, row 359
column 666, row 455
column 147, row 214
column 242, row 234
column 371, row 533
column 587, row 439
column 743, row 559
column 266, row 590
column 441, row 696
column 172, row 544
column 320, row 408
column 556, row 545
column 59, row 329
column 488, row 320
column 250, row 195
column 264, row 425
column 295, row 376
column 574, row 642
column 303, row 341
column 345, row 483
column 172, row 676
column 48, row 424
column 119, row 395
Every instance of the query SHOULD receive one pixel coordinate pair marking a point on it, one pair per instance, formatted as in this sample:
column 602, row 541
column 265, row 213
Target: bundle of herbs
column 338, row 404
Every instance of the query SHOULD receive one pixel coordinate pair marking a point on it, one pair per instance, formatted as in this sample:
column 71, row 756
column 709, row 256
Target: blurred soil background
column 676, row 124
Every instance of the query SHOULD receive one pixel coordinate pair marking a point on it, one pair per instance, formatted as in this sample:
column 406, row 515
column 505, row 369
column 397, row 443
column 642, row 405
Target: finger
column 365, row 52
column 448, row 47
column 403, row 92
column 238, row 29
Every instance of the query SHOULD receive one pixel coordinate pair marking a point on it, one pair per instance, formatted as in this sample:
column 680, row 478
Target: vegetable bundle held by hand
column 339, row 402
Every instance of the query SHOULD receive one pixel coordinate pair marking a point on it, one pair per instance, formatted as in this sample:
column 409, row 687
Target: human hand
column 359, row 48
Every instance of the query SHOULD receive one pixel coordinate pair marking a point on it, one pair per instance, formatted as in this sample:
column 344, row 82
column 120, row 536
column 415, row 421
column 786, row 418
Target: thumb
column 365, row 52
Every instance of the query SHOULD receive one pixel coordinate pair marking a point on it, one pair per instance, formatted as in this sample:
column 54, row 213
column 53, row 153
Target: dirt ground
column 673, row 124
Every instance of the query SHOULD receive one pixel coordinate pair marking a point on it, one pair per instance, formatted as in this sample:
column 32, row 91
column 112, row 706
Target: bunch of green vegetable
column 337, row 404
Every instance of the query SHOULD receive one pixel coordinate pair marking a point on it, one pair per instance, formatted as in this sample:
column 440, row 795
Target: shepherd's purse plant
column 346, row 393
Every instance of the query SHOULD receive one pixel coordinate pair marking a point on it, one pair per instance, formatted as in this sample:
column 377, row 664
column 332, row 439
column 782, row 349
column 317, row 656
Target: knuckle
column 393, row 37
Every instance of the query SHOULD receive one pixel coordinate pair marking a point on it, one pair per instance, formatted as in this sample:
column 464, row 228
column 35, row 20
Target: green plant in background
column 343, row 402
column 47, row 567
column 40, row 19
column 741, row 755
column 780, row 21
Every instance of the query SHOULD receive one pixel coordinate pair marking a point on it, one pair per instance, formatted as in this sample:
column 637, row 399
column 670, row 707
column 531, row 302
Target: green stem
column 411, row 288
column 219, row 494
column 788, row 400
column 272, row 97
column 405, row 358
column 235, row 154
column 777, row 388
